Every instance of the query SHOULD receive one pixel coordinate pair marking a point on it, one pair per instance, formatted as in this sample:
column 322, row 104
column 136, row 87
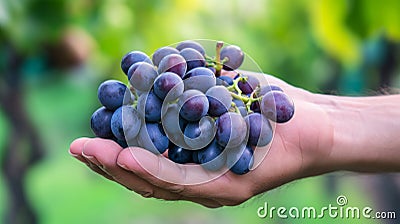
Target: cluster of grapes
column 178, row 101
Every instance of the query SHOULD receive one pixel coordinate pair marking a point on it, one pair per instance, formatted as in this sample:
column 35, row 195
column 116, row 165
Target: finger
column 104, row 153
column 76, row 148
column 97, row 170
column 176, row 178
column 121, row 176
column 105, row 149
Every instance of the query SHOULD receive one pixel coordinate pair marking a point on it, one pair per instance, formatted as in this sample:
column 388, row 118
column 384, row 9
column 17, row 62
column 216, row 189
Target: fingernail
column 72, row 154
column 123, row 166
column 92, row 159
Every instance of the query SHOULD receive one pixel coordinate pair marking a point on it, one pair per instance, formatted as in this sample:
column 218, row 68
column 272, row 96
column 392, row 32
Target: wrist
column 365, row 134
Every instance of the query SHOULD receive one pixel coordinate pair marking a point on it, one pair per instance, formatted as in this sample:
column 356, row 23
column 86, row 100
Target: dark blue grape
column 192, row 130
column 173, row 63
column 238, row 103
column 100, row 122
column 241, row 106
column 191, row 44
column 277, row 106
column 182, row 123
column 153, row 138
column 193, row 58
column 122, row 143
column 111, row 94
column 260, row 130
column 170, row 84
column 133, row 57
column 243, row 111
column 125, row 123
column 220, row 82
column 227, row 79
column 150, row 106
column 141, row 76
column 160, row 53
column 195, row 158
column 179, row 154
column 193, row 105
column 240, row 159
column 234, row 57
column 231, row 130
column 200, row 78
column 211, row 157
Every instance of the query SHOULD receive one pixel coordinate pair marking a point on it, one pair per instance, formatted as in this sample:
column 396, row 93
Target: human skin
column 326, row 134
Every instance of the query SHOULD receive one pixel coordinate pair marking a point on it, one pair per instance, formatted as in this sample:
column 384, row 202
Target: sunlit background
column 54, row 53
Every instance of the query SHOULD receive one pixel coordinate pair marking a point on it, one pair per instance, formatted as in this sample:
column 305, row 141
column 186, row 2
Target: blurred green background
column 54, row 53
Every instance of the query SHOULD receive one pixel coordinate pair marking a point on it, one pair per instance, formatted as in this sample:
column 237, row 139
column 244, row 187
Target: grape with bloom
column 178, row 104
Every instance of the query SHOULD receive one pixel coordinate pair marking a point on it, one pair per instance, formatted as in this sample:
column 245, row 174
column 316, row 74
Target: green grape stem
column 235, row 87
column 247, row 100
column 235, row 107
column 133, row 90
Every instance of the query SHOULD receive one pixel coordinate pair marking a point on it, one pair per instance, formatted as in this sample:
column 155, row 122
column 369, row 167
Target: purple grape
column 141, row 76
column 191, row 44
column 133, row 57
column 173, row 63
column 160, row 53
column 249, row 85
column 265, row 89
column 193, row 105
column 199, row 78
column 234, row 55
column 277, row 106
column 255, row 107
column 193, row 58
column 231, row 130
column 170, row 84
column 220, row 100
column 260, row 130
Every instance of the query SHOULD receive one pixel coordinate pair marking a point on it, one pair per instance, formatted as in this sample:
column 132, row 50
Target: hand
column 299, row 149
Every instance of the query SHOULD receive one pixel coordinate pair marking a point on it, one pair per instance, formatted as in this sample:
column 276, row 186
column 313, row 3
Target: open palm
column 299, row 149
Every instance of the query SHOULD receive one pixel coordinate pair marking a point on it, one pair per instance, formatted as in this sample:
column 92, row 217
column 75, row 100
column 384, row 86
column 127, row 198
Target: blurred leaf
column 328, row 22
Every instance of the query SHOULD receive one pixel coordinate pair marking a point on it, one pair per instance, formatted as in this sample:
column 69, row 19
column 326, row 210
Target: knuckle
column 176, row 188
